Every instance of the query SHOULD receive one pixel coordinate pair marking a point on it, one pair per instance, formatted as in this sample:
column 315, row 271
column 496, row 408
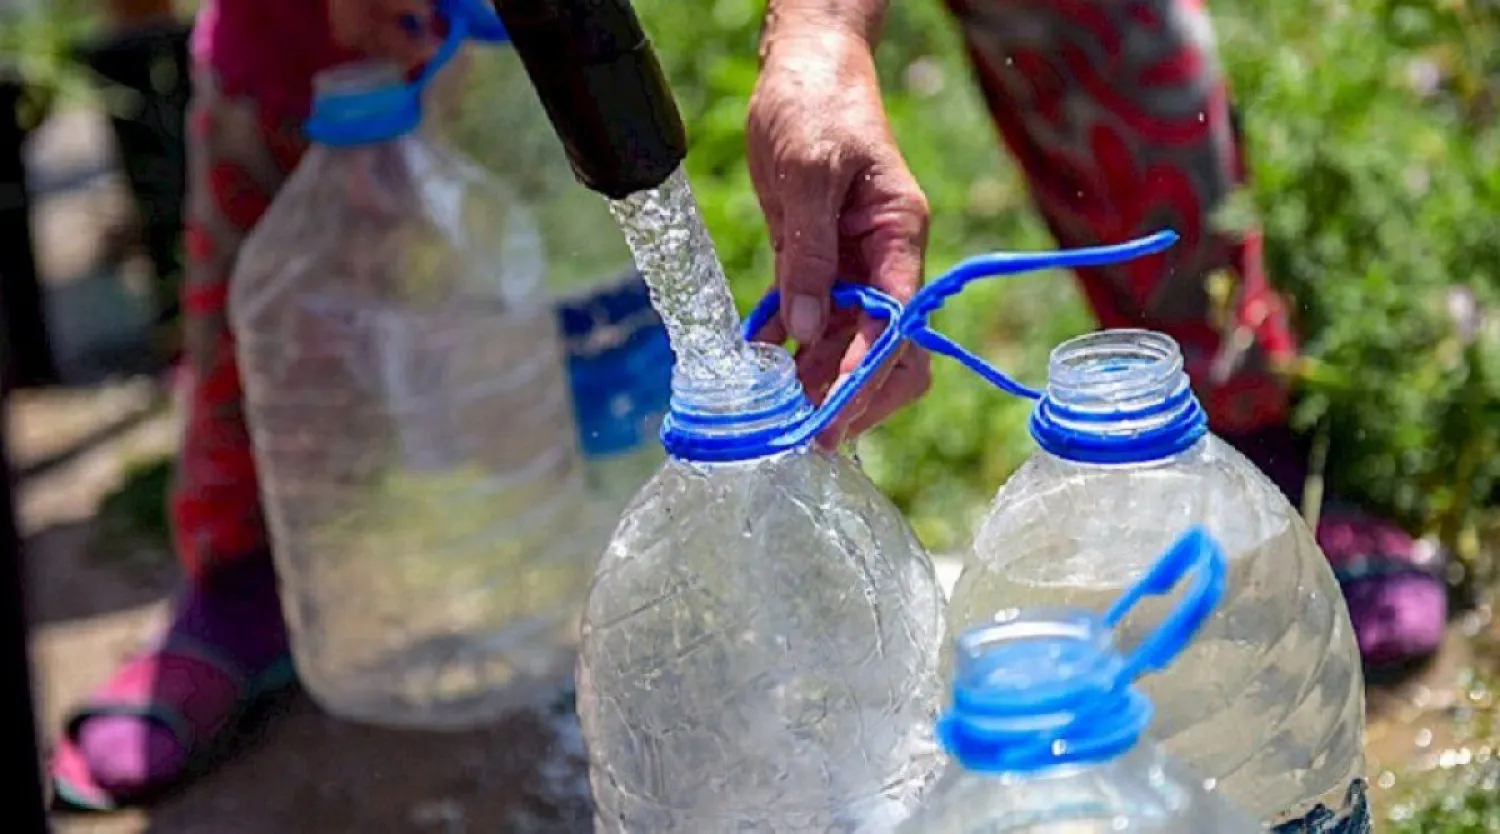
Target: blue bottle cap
column 370, row 116
column 1042, row 688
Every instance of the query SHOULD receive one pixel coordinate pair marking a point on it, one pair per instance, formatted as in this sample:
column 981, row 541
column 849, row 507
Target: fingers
column 909, row 379
column 807, row 242
column 891, row 222
column 819, row 364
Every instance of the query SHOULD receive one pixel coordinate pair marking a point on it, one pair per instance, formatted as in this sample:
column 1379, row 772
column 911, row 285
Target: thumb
column 807, row 249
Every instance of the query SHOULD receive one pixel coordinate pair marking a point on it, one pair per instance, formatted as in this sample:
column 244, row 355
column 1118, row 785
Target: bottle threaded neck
column 731, row 417
column 1037, row 689
column 1118, row 396
column 1115, row 371
column 363, row 103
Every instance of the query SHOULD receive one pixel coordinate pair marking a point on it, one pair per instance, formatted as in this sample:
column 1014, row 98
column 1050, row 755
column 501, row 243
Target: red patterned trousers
column 1118, row 114
column 1115, row 110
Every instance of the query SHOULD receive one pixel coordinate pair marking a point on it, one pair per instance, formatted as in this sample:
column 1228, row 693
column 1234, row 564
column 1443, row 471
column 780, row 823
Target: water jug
column 1045, row 730
column 406, row 391
column 760, row 643
column 1269, row 701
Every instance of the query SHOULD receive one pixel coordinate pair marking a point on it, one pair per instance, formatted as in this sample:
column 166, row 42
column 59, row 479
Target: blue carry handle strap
column 475, row 19
column 916, row 320
column 872, row 301
column 1084, row 707
column 1195, row 554
column 911, row 322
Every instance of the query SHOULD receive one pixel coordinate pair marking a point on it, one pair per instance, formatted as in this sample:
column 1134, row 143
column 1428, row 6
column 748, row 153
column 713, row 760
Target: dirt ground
column 97, row 590
column 96, row 594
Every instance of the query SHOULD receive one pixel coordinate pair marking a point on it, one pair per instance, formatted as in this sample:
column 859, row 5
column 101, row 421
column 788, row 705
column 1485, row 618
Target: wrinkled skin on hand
column 841, row 204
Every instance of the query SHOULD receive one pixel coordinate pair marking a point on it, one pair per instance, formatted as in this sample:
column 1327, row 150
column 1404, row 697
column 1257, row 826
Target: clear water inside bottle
column 759, row 648
column 406, row 392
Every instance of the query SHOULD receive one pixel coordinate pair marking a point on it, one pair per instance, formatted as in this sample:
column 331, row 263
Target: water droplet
column 1202, row 117
column 1424, row 739
column 1387, row 780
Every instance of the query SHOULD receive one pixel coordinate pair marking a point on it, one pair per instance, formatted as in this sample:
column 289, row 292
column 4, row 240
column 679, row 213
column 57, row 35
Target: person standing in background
column 225, row 644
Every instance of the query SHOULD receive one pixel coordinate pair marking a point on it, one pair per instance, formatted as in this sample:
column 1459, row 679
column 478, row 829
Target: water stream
column 675, row 254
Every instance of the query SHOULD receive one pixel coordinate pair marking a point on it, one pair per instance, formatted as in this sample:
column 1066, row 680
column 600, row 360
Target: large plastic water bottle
column 1269, row 701
column 1045, row 731
column 407, row 396
column 760, row 643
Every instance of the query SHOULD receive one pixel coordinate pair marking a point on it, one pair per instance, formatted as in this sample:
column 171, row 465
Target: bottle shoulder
column 402, row 225
column 1133, row 512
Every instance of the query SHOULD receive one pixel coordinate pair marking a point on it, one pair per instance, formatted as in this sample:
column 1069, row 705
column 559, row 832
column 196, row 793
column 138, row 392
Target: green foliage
column 35, row 48
column 1374, row 147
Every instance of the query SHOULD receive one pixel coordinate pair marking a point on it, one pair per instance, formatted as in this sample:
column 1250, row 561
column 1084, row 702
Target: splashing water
column 675, row 254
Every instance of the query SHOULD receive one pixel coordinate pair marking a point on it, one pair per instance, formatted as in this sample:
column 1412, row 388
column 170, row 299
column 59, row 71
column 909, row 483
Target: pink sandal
column 185, row 688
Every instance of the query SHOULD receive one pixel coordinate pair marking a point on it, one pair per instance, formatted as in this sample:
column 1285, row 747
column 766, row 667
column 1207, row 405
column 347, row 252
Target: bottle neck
column 1040, row 690
column 1118, row 396
column 731, row 418
column 363, row 104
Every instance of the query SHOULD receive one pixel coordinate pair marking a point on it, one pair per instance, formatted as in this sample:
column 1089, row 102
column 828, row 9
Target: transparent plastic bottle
column 1045, row 730
column 760, row 643
column 406, row 392
column 1269, row 701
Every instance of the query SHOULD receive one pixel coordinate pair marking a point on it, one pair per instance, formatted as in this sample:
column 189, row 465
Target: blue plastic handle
column 1196, row 554
column 475, row 19
column 353, row 119
column 916, row 321
column 872, row 301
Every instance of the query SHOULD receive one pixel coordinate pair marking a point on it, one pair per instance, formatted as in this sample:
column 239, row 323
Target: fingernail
column 806, row 319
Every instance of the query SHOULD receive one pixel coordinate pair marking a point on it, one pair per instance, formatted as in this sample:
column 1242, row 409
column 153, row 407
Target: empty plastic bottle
column 1045, row 730
column 1269, row 701
column 406, row 391
column 760, row 643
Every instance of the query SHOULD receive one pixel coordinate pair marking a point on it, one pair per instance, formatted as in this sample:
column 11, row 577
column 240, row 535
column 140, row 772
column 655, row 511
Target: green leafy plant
column 1375, row 159
column 36, row 50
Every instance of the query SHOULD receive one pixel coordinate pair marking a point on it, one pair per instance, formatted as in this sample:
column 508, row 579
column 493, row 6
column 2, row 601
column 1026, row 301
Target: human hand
column 841, row 204
column 401, row 31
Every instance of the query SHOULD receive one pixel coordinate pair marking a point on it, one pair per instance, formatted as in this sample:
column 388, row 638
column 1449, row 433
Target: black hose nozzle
column 603, row 90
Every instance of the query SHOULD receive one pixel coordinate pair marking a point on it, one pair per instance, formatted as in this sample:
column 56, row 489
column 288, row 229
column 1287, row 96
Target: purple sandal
column 1395, row 586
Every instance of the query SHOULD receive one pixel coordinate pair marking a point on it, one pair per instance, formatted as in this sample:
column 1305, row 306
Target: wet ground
column 90, row 459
